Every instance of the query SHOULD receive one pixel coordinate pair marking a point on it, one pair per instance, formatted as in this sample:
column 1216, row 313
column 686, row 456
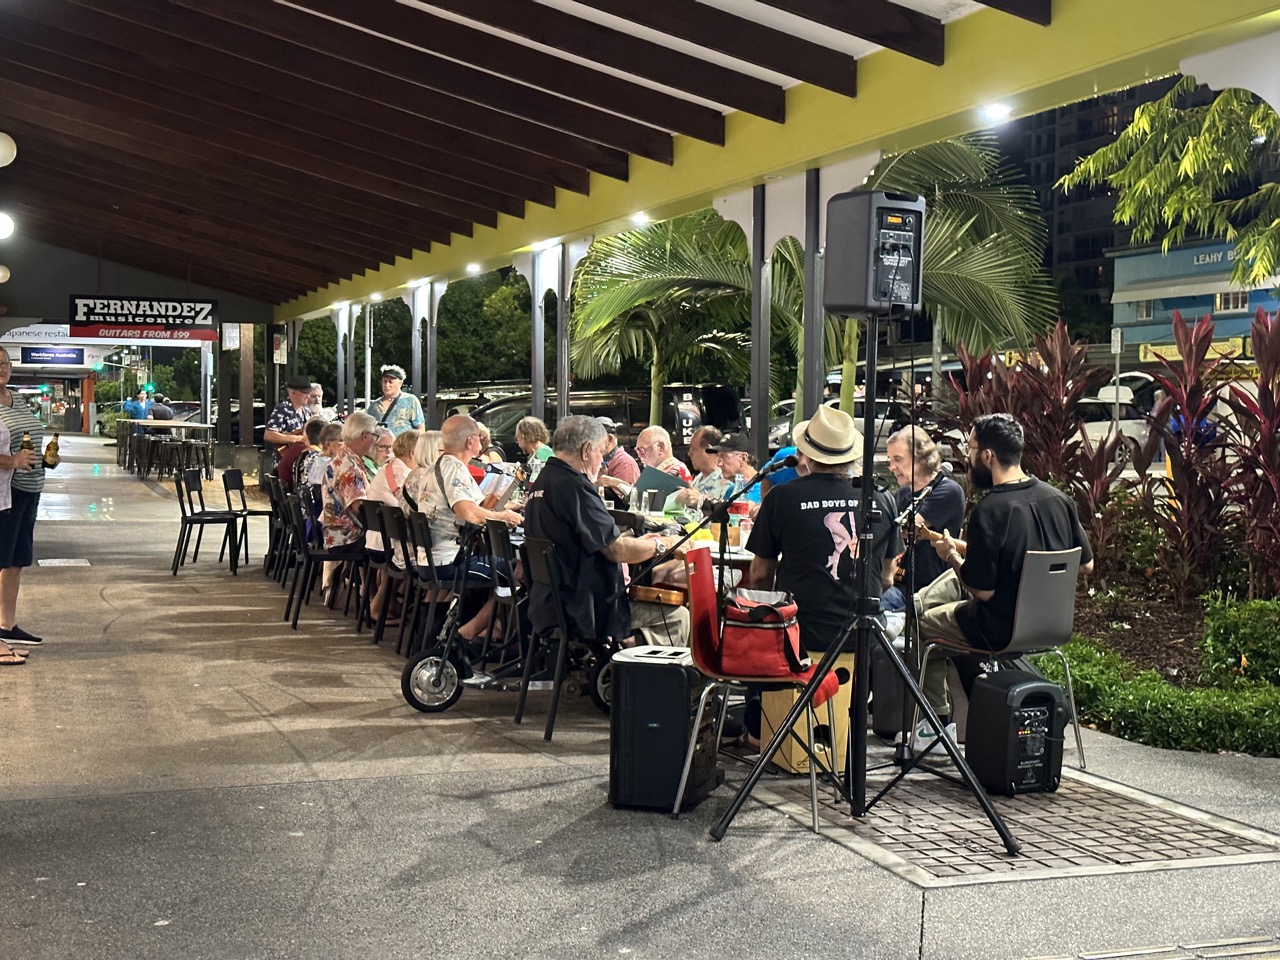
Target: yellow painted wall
column 1092, row 47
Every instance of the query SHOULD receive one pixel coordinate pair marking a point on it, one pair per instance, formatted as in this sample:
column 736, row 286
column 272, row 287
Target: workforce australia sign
column 144, row 318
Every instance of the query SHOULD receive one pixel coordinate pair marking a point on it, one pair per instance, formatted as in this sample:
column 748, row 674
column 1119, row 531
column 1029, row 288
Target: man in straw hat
column 806, row 534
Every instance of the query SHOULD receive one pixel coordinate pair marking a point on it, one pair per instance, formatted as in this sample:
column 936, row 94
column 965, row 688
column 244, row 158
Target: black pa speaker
column 875, row 243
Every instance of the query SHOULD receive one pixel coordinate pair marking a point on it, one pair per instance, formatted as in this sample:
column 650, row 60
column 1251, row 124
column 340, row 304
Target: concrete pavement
column 184, row 776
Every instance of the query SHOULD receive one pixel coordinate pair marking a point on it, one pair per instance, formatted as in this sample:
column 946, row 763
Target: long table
column 126, row 453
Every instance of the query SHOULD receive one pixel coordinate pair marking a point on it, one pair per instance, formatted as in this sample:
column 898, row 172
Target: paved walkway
column 184, row 776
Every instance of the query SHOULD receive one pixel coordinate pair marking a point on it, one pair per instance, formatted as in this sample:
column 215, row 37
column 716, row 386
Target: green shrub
column 1113, row 695
column 1241, row 640
column 109, row 422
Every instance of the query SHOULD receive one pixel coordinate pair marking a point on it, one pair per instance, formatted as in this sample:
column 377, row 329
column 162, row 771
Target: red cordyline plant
column 1044, row 397
column 1044, row 393
column 1189, row 505
column 1255, row 482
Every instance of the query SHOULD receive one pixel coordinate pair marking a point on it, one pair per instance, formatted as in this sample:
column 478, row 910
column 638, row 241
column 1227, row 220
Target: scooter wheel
column 601, row 687
column 428, row 686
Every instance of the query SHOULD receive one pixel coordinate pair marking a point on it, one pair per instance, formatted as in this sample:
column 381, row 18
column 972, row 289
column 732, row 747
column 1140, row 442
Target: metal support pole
column 368, row 352
column 563, row 383
column 813, row 363
column 538, row 366
column 418, row 297
column 761, row 346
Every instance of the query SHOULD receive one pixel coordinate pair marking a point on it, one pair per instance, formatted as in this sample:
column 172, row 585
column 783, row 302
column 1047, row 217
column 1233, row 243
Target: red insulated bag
column 760, row 636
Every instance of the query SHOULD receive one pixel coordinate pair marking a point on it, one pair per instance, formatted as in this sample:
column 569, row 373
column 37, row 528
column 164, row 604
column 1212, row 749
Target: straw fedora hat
column 829, row 437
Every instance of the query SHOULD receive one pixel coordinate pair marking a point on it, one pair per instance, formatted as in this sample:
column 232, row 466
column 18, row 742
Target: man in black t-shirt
column 806, row 533
column 565, row 508
column 974, row 601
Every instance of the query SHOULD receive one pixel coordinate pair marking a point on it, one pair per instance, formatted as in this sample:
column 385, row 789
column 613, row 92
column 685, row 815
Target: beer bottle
column 26, row 442
column 51, row 451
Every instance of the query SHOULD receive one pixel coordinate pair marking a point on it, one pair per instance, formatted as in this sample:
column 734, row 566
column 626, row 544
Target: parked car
column 259, row 421
column 1135, row 386
column 105, row 424
column 1097, row 422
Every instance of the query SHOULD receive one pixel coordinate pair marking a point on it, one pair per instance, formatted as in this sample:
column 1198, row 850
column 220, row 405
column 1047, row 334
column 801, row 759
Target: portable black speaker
column 1013, row 739
column 655, row 692
column 875, row 244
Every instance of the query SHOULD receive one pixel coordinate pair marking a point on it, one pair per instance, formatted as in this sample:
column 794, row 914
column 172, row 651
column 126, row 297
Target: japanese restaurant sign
column 144, row 318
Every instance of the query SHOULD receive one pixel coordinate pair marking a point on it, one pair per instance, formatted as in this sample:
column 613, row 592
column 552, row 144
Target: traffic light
column 99, row 366
column 149, row 387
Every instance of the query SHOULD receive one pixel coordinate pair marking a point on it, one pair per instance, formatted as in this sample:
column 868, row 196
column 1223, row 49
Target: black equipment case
column 655, row 698
column 1013, row 739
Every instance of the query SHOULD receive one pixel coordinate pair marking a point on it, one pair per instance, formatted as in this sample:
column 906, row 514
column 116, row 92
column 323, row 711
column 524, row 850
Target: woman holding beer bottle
column 25, row 435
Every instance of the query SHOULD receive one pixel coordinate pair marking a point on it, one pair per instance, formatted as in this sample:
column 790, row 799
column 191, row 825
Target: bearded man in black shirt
column 973, row 601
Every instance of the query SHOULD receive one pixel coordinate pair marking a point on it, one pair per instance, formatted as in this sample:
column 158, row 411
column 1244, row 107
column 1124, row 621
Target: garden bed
column 1150, row 632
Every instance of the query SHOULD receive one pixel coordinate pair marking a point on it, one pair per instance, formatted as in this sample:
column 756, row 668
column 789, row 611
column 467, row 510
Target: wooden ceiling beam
column 148, row 258
column 80, row 120
column 148, row 178
column 564, row 77
column 174, row 89
column 157, row 30
column 740, row 38
column 33, row 185
column 897, row 28
column 120, row 225
column 219, row 210
column 1037, row 11
column 309, row 36
column 232, row 134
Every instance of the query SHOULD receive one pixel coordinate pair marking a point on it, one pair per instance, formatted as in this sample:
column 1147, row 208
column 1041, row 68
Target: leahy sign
column 144, row 318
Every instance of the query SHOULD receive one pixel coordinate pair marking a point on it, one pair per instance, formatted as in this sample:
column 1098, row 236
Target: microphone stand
column 904, row 751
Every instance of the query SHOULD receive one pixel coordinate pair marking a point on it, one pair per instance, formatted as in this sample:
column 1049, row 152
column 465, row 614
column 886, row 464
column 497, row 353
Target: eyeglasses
column 384, row 446
column 643, row 448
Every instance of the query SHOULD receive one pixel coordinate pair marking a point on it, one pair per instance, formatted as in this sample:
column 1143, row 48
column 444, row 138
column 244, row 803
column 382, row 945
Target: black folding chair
column 195, row 515
column 426, row 580
column 539, row 558
column 233, row 482
column 309, row 557
column 277, row 558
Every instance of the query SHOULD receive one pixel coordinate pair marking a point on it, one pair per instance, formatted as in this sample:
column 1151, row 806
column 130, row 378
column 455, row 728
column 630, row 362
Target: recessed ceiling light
column 640, row 219
column 375, row 297
column 473, row 268
column 996, row 112
column 6, row 226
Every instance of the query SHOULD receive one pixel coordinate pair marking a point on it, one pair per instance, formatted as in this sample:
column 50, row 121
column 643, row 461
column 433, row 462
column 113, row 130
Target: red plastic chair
column 704, row 642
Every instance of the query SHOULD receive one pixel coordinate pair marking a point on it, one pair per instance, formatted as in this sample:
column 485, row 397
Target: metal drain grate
column 933, row 832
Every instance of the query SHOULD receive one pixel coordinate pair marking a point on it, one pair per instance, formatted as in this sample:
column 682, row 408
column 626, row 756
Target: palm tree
column 663, row 293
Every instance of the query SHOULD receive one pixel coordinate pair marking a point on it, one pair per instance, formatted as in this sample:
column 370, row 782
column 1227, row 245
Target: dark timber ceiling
column 269, row 148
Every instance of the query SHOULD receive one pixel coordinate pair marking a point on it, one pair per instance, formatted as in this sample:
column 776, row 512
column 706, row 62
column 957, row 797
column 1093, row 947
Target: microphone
column 944, row 470
column 785, row 463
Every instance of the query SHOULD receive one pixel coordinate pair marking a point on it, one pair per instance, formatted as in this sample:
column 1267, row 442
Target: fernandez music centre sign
column 144, row 318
